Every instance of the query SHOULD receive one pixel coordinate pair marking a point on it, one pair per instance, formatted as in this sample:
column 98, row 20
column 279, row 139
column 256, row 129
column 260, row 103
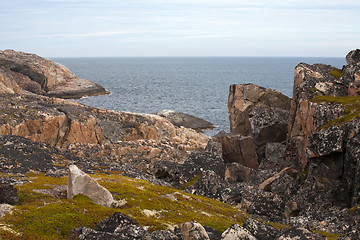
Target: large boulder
column 185, row 120
column 42, row 76
column 243, row 98
column 261, row 113
column 81, row 183
column 238, row 148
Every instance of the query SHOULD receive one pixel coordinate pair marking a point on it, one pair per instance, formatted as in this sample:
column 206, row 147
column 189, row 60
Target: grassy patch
column 351, row 104
column 354, row 208
column 329, row 236
column 336, row 73
column 192, row 181
column 40, row 216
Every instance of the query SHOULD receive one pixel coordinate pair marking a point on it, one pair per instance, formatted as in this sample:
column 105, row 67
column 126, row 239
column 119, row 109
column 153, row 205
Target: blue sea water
column 195, row 85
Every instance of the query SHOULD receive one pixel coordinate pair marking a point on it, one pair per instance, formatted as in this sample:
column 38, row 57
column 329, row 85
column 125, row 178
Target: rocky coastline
column 289, row 168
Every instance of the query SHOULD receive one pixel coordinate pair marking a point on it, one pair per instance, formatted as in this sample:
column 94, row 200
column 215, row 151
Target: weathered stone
column 291, row 209
column 353, row 57
column 85, row 233
column 81, row 183
column 8, row 194
column 160, row 235
column 212, row 233
column 43, row 76
column 121, row 225
column 324, row 143
column 269, row 125
column 260, row 230
column 240, row 149
column 236, row 232
column 199, row 162
column 243, row 98
column 185, row 120
column 261, row 203
column 260, row 113
column 275, row 157
column 60, row 123
column 193, row 231
column 4, row 209
column 214, row 145
column 7, row 85
column 285, row 185
column 266, row 185
column 300, row 233
column 236, row 172
column 208, row 184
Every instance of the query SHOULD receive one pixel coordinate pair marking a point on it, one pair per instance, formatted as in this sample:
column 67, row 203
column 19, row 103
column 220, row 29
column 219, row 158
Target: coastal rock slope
column 324, row 137
column 21, row 72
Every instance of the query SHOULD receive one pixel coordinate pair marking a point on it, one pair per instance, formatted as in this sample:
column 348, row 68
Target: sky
column 120, row 28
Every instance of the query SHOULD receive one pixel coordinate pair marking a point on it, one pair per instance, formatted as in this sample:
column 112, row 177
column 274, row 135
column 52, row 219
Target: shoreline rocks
column 185, row 120
column 37, row 75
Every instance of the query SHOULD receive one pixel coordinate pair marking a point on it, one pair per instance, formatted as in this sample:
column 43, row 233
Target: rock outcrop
column 31, row 73
column 261, row 113
column 60, row 123
column 323, row 130
column 185, row 120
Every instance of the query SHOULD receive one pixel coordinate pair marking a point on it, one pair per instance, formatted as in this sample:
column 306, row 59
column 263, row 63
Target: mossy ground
column 41, row 216
column 351, row 104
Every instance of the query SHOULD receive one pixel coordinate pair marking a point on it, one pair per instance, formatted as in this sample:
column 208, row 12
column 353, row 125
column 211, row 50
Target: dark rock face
column 199, row 162
column 121, row 225
column 237, row 232
column 8, row 194
column 161, row 235
column 19, row 155
column 260, row 230
column 328, row 154
column 45, row 77
column 259, row 113
column 185, row 120
column 238, row 148
column 300, row 233
column 353, row 57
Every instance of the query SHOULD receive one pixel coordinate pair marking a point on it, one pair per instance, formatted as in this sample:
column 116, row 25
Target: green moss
column 329, row 236
column 192, row 181
column 40, row 216
column 336, row 73
column 351, row 104
column 354, row 208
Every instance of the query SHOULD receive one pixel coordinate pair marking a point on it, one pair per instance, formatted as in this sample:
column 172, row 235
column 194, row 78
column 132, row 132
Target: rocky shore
column 23, row 72
column 289, row 168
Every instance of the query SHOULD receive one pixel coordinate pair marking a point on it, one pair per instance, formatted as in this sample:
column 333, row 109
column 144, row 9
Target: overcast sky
column 82, row 28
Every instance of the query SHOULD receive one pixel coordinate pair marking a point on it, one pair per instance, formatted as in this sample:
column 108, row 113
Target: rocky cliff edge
column 23, row 72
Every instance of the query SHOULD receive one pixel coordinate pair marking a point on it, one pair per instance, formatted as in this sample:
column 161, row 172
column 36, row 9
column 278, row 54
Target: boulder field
column 288, row 169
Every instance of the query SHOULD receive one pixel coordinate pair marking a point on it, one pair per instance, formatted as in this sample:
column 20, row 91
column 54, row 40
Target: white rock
column 237, row 232
column 4, row 209
column 81, row 183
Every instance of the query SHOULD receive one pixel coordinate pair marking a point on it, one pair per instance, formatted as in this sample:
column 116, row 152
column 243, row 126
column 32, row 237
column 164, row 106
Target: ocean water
column 195, row 85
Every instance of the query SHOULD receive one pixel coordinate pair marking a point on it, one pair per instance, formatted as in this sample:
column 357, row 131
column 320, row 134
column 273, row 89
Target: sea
column 194, row 85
